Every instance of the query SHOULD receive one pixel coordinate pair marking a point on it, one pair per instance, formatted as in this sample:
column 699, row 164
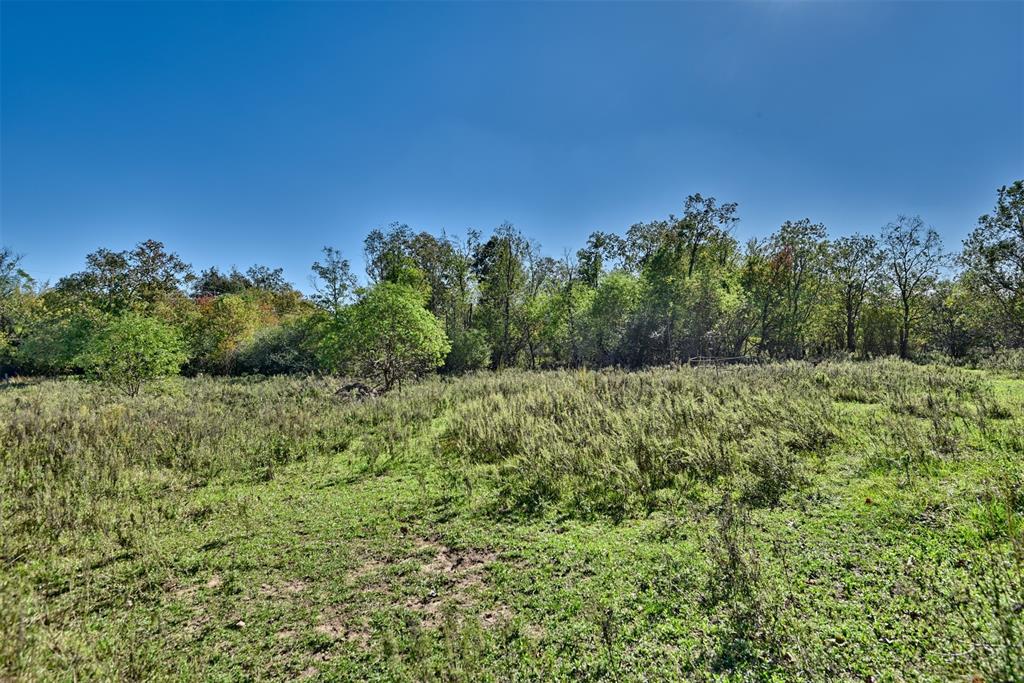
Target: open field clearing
column 840, row 521
column 500, row 342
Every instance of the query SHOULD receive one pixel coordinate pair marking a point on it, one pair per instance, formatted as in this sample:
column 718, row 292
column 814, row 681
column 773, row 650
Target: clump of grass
column 1009, row 361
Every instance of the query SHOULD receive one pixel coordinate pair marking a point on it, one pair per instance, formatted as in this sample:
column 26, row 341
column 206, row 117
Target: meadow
column 789, row 521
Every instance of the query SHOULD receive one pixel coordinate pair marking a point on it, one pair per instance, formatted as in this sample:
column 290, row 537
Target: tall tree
column 783, row 277
column 704, row 222
column 268, row 279
column 912, row 258
column 607, row 318
column 499, row 267
column 994, row 256
column 333, row 282
column 212, row 282
column 802, row 244
column 763, row 277
column 18, row 301
column 10, row 274
column 141, row 277
column 386, row 253
column 642, row 242
column 664, row 279
column 854, row 263
column 600, row 253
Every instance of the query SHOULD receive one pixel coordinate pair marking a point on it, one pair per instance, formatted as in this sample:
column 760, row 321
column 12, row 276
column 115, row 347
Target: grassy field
column 781, row 522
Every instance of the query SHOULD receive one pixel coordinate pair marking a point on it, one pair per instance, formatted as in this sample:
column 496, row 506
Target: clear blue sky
column 248, row 132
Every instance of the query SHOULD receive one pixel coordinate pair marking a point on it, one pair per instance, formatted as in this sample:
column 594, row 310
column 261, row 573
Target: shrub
column 131, row 349
column 278, row 350
column 1005, row 360
column 470, row 351
column 388, row 336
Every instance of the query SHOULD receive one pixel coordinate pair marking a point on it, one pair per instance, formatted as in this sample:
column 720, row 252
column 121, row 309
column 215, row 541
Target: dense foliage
column 388, row 336
column 665, row 291
column 131, row 349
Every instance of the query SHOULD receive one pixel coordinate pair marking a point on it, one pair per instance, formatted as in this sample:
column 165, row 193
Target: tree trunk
column 851, row 330
column 905, row 332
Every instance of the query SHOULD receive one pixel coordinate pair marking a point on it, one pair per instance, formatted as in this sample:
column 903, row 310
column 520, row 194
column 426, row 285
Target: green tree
column 19, row 304
column 54, row 344
column 763, row 277
column 499, row 268
column 212, row 282
column 664, row 274
column 952, row 323
column 854, row 263
column 131, row 349
column 912, row 257
column 601, row 252
column 143, row 277
column 800, row 248
column 994, row 257
column 333, row 281
column 607, row 318
column 388, row 336
column 469, row 352
column 704, row 224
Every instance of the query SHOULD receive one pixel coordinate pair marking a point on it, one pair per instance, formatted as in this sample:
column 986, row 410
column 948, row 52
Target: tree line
column 660, row 292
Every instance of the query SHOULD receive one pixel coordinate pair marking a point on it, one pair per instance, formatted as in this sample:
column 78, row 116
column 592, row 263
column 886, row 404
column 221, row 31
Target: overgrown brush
column 761, row 472
column 76, row 458
column 611, row 442
column 1010, row 361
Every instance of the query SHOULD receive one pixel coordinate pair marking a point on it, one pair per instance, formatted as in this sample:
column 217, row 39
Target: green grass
column 786, row 522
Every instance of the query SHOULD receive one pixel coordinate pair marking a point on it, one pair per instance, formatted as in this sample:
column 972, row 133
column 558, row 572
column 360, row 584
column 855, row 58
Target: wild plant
column 983, row 591
column 613, row 442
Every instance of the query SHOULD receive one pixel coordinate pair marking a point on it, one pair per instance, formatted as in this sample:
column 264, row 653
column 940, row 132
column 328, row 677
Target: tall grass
column 617, row 443
column 90, row 475
column 76, row 459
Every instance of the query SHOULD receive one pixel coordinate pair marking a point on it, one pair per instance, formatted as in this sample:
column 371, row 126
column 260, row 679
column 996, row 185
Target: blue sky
column 259, row 132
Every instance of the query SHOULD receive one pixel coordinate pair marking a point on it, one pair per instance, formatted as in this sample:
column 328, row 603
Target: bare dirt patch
column 366, row 569
column 464, row 572
column 197, row 624
column 496, row 616
column 179, row 591
column 450, row 561
column 338, row 626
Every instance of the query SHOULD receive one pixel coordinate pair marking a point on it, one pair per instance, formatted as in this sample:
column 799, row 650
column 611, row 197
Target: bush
column 280, row 350
column 388, row 336
column 470, row 351
column 1005, row 360
column 55, row 346
column 131, row 349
